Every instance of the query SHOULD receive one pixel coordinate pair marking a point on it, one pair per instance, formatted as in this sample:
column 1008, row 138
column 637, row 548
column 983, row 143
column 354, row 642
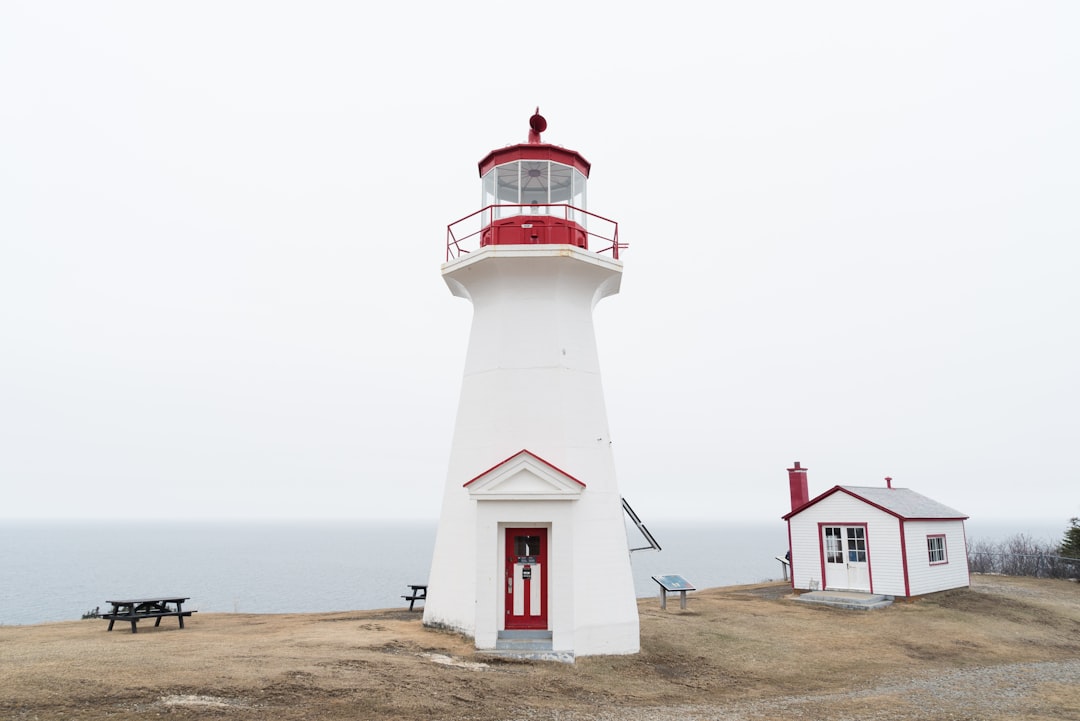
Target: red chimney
column 800, row 492
column 888, row 482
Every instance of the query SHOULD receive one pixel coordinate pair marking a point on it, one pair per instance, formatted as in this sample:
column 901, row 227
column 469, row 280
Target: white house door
column 847, row 565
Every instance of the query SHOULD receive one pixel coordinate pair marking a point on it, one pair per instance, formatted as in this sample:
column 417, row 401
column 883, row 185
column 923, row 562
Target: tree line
column 1022, row 555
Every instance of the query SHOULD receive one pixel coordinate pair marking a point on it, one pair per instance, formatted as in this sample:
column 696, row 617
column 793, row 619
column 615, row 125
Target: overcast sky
column 854, row 242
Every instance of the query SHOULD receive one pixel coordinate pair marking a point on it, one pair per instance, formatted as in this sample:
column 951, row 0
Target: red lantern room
column 533, row 193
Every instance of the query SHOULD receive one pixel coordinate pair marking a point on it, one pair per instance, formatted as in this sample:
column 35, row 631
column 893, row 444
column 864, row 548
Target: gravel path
column 960, row 694
column 970, row 694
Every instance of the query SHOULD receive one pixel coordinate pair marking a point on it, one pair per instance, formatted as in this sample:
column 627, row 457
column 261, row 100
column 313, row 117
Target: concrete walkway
column 853, row 600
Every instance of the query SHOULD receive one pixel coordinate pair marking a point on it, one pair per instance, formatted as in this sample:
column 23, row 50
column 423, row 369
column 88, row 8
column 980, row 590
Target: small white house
column 884, row 540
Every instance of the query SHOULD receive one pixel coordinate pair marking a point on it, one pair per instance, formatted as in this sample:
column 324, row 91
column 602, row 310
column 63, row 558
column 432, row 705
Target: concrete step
column 558, row 656
column 853, row 600
column 530, row 645
column 535, row 633
column 523, row 641
column 522, row 645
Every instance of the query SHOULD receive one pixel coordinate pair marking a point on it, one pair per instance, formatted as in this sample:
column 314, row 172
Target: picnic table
column 418, row 592
column 137, row 609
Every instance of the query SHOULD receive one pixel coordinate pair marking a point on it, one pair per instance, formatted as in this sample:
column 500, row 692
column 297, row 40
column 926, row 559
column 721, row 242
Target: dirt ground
column 1007, row 648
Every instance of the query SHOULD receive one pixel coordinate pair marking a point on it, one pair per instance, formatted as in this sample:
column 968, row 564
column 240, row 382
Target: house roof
column 903, row 503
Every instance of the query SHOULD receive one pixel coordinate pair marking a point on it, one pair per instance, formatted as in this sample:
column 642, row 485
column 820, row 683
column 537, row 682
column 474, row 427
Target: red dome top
column 535, row 150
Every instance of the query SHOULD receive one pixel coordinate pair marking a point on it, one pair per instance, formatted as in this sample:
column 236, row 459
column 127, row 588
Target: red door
column 526, row 578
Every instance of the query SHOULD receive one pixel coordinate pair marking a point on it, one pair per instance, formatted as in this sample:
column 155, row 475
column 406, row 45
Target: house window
column 856, row 543
column 834, row 547
column 935, row 547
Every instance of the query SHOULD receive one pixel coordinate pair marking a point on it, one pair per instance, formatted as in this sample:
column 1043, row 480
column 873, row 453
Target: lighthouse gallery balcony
column 520, row 224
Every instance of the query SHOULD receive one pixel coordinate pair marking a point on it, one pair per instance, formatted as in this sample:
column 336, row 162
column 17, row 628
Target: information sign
column 673, row 582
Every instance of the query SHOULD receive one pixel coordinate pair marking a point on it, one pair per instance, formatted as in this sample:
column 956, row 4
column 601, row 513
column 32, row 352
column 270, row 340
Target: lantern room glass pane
column 529, row 186
column 561, row 183
column 488, row 189
column 507, row 189
column 535, row 179
column 578, row 198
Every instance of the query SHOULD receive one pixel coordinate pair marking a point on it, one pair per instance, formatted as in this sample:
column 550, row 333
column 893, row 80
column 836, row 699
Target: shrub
column 1070, row 546
column 1021, row 555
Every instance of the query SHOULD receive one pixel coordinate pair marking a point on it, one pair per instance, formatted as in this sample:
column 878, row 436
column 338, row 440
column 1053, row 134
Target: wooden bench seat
column 152, row 614
column 418, row 593
column 134, row 618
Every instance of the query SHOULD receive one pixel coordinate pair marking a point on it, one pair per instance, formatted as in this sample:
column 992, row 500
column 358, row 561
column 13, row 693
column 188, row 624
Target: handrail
column 486, row 216
column 641, row 527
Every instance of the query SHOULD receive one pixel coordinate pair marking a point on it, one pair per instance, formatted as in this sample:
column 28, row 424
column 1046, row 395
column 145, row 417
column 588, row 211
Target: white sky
column 854, row 243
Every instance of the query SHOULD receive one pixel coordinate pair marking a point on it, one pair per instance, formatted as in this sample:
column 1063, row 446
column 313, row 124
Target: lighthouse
column 531, row 550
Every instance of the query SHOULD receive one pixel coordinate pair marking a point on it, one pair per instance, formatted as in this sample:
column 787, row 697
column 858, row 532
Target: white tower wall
column 532, row 381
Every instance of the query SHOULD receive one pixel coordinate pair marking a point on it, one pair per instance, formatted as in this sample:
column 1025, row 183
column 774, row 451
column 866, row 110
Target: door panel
column 846, row 560
column 833, row 547
column 526, row 578
column 858, row 569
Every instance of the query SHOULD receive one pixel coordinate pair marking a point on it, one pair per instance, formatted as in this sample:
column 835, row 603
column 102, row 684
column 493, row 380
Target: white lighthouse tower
column 531, row 546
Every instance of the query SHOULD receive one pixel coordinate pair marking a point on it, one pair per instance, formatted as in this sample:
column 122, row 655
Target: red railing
column 464, row 235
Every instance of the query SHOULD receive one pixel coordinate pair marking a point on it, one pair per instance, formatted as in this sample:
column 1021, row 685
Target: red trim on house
column 967, row 566
column 812, row 501
column 903, row 558
column 534, row 151
column 791, row 557
column 515, row 455
column 866, row 538
column 869, row 565
column 944, row 549
column 892, row 513
column 821, row 550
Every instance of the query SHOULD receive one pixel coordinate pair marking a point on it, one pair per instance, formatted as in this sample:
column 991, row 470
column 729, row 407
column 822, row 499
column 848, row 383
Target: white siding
column 926, row 578
column 882, row 540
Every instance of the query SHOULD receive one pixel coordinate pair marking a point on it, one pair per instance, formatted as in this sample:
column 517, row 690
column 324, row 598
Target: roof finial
column 537, row 125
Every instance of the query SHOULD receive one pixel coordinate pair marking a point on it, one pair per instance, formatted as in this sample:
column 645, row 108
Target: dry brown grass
column 1008, row 648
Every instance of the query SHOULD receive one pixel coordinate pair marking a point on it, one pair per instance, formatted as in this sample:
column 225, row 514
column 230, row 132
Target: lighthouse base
column 580, row 590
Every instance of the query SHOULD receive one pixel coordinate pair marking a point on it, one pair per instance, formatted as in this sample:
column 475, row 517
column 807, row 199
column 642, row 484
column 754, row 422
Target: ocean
column 58, row 570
